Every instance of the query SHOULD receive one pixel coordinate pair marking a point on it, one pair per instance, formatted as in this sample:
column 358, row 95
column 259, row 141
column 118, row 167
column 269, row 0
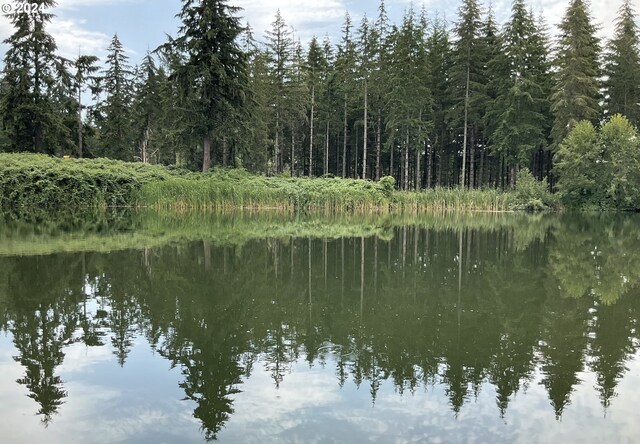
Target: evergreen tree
column 378, row 82
column 253, row 152
column 215, row 68
column 438, row 64
column 113, row 111
column 366, row 52
column 622, row 67
column 31, row 69
column 496, row 74
column 576, row 90
column 345, row 71
column 147, row 107
column 466, row 76
column 521, row 100
column 279, row 52
column 85, row 66
column 315, row 67
column 408, row 100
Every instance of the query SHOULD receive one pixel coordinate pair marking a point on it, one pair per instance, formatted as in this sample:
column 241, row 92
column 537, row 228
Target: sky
column 87, row 26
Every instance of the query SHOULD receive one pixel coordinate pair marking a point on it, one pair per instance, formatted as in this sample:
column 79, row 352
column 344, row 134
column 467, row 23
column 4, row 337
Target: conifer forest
column 433, row 103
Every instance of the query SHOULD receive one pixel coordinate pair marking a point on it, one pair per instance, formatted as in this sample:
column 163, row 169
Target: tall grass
column 236, row 189
column 30, row 183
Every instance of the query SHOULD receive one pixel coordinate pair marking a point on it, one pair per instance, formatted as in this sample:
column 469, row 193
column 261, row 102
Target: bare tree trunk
column 472, row 155
column 466, row 118
column 79, row 121
column 406, row 162
column 313, row 99
column 378, row 143
column 276, row 148
column 293, row 153
column 326, row 150
column 481, row 168
column 144, row 146
column 430, row 164
column 355, row 165
column 364, row 134
column 206, row 160
column 391, row 172
column 344, row 140
column 418, row 173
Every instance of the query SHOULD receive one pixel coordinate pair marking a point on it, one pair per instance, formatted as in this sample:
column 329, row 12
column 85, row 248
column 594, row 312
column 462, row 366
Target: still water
column 241, row 328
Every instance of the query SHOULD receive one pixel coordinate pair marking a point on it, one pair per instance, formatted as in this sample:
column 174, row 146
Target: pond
column 147, row 328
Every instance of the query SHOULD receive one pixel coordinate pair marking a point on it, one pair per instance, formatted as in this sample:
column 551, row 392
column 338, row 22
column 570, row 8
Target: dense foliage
column 43, row 183
column 429, row 103
column 600, row 169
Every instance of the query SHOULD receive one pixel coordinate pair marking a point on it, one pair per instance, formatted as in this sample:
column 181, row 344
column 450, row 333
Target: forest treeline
column 428, row 102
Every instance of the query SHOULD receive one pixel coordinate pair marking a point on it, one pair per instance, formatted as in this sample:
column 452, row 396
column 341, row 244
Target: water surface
column 268, row 328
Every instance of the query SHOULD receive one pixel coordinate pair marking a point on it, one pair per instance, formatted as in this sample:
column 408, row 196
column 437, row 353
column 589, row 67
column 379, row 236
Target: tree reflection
column 454, row 306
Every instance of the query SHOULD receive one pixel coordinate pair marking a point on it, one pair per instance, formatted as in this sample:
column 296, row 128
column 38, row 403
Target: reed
column 31, row 183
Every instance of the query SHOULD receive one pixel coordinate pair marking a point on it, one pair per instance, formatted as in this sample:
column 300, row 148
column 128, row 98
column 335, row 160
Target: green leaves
column 600, row 170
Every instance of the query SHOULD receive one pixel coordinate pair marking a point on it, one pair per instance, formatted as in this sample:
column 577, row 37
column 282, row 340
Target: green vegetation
column 600, row 170
column 40, row 183
column 430, row 104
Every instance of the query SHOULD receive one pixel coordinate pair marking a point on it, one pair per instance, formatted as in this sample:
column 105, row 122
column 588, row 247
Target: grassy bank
column 36, row 182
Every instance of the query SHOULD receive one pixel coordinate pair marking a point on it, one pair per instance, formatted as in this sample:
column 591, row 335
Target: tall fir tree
column 146, row 107
column 279, row 51
column 521, row 102
column 466, row 77
column 85, row 66
column 215, row 68
column 439, row 71
column 622, row 68
column 31, row 67
column 345, row 72
column 315, row 67
column 113, row 111
column 576, row 91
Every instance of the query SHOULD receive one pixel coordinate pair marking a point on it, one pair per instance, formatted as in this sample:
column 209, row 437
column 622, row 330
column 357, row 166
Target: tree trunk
column 344, row 140
column 293, row 154
column 406, row 162
column 364, row 134
column 481, row 168
column 418, row 173
column 276, row 148
column 378, row 143
column 206, row 159
column 313, row 98
column 430, row 164
column 472, row 154
column 466, row 117
column 326, row 150
column 391, row 166
column 80, row 121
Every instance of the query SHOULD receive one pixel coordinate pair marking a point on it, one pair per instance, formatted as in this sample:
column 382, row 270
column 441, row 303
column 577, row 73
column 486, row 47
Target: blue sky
column 88, row 25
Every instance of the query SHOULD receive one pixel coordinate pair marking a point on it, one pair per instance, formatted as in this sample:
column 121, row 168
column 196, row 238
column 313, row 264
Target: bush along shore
column 31, row 182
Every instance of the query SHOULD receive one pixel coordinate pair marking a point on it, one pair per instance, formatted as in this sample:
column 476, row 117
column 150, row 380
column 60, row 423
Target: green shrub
column 532, row 194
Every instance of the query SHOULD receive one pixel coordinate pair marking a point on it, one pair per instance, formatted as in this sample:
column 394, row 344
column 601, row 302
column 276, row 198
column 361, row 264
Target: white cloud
column 307, row 17
column 72, row 38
